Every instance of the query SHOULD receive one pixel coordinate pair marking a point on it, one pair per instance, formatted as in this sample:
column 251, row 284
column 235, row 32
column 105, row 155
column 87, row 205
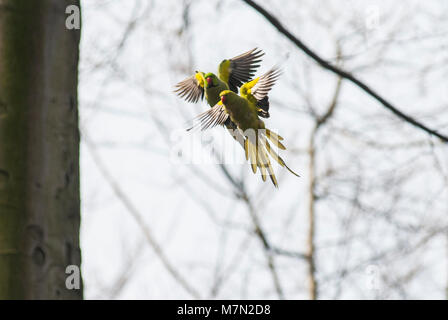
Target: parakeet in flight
column 232, row 73
column 244, row 110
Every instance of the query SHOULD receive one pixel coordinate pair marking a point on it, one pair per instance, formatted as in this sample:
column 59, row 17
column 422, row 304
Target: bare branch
column 342, row 73
column 312, row 198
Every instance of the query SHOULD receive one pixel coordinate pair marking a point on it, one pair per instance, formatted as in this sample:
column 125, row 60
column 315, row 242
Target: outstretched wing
column 210, row 118
column 192, row 88
column 257, row 90
column 240, row 69
column 261, row 88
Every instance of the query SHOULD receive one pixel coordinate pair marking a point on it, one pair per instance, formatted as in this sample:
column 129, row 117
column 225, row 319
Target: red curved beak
column 209, row 80
column 223, row 99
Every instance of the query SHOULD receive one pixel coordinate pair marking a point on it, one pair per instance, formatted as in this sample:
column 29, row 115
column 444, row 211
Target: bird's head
column 226, row 96
column 210, row 80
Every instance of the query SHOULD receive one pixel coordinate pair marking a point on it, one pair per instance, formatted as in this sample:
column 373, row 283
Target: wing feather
column 240, row 69
column 190, row 89
column 210, row 118
column 261, row 89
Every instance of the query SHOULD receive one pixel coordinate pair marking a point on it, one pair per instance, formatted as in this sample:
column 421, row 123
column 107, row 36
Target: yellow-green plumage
column 212, row 91
column 243, row 112
column 245, row 90
column 232, row 73
column 224, row 71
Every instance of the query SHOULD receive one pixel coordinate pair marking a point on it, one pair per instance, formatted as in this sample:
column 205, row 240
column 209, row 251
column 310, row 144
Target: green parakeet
column 232, row 73
column 243, row 110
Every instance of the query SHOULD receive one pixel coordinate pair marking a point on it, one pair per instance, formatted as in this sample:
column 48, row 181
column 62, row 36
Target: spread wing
column 192, row 88
column 240, row 69
column 262, row 87
column 210, row 118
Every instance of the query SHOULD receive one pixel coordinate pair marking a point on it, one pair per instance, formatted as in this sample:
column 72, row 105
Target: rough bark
column 39, row 150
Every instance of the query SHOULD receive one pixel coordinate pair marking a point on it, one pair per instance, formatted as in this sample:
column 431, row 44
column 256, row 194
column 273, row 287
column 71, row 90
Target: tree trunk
column 39, row 150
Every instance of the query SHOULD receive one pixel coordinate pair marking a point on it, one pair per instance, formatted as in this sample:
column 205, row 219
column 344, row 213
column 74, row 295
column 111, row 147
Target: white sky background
column 126, row 105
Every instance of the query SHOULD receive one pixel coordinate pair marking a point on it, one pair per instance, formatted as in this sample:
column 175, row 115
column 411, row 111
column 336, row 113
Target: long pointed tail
column 275, row 139
column 258, row 158
column 277, row 158
column 258, row 150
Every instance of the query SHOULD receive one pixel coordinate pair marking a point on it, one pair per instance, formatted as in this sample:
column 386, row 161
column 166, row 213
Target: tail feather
column 273, row 135
column 275, row 138
column 266, row 163
column 290, row 170
column 258, row 158
column 257, row 150
column 246, row 148
column 272, row 176
column 277, row 158
column 262, row 164
column 251, row 154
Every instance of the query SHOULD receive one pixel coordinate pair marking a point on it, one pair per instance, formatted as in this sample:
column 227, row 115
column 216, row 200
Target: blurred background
column 368, row 219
